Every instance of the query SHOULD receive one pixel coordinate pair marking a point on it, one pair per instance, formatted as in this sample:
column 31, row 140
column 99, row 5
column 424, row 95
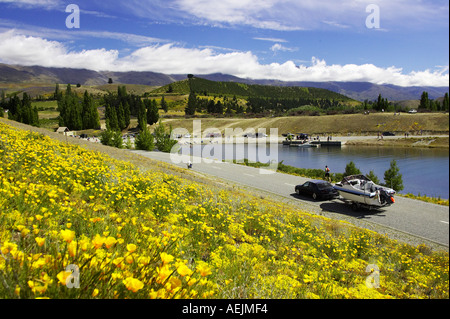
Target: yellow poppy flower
column 166, row 258
column 131, row 248
column 98, row 241
column 62, row 277
column 133, row 284
column 67, row 235
column 40, row 241
column 184, row 270
column 110, row 241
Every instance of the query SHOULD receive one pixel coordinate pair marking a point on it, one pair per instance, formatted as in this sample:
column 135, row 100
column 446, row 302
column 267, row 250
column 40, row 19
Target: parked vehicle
column 318, row 189
column 360, row 191
column 388, row 134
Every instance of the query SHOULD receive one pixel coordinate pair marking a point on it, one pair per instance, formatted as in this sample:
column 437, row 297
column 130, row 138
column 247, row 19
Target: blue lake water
column 424, row 171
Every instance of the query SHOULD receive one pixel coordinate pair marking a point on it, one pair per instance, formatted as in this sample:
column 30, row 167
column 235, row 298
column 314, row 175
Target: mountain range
column 355, row 90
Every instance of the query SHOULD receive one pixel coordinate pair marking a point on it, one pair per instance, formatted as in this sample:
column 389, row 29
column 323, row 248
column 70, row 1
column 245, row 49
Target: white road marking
column 290, row 184
column 249, row 175
column 215, row 167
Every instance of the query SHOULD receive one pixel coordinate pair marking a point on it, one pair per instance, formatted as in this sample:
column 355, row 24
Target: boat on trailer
column 361, row 192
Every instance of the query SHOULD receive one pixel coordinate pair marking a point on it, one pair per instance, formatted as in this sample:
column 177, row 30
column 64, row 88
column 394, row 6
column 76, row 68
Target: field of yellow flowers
column 78, row 224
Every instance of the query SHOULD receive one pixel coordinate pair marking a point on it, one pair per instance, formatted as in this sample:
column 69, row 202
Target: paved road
column 413, row 217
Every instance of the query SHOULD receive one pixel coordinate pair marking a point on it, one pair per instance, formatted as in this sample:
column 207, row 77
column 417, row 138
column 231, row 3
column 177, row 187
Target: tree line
column 20, row 110
column 76, row 113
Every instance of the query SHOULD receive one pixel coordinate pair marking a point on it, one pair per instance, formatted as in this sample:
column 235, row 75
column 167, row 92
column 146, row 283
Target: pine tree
column 191, row 105
column 142, row 115
column 373, row 177
column 120, row 116
column 393, row 178
column 145, row 141
column 424, row 101
column 152, row 111
column 90, row 115
column 351, row 169
column 445, row 103
column 164, row 105
column 3, row 103
column 164, row 143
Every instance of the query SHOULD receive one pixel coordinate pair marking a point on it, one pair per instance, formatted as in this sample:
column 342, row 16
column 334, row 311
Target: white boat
column 360, row 191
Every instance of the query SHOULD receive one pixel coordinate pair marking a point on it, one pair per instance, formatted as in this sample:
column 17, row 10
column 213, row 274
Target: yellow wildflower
column 62, row 277
column 40, row 241
column 184, row 270
column 204, row 269
column 131, row 248
column 110, row 241
column 133, row 284
column 98, row 241
column 166, row 258
column 67, row 235
column 73, row 248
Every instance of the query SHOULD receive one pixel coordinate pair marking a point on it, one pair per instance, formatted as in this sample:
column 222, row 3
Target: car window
column 324, row 185
column 306, row 184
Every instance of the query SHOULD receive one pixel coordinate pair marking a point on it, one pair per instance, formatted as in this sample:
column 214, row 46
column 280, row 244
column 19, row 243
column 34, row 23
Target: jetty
column 298, row 143
column 327, row 143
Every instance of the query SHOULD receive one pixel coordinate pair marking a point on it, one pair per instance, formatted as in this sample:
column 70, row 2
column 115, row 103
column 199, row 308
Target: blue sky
column 294, row 40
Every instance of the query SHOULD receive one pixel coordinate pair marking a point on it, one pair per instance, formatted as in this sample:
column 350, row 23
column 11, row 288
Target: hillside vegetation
column 206, row 87
column 354, row 124
column 134, row 233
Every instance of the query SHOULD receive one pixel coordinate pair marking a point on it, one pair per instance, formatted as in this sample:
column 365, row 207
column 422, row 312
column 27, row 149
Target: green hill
column 206, row 87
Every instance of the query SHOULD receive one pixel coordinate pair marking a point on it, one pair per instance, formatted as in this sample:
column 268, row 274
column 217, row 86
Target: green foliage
column 424, row 101
column 164, row 105
column 393, row 178
column 445, row 103
column 75, row 113
column 111, row 138
column 145, row 141
column 117, row 109
column 373, row 177
column 91, row 118
column 191, row 105
column 152, row 111
column 351, row 169
column 163, row 141
column 21, row 111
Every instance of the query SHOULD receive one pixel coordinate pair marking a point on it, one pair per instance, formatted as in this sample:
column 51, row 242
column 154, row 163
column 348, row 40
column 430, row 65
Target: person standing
column 327, row 174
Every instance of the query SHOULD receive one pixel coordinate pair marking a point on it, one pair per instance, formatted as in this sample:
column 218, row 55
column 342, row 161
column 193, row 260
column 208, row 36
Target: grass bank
column 351, row 124
column 425, row 142
column 137, row 233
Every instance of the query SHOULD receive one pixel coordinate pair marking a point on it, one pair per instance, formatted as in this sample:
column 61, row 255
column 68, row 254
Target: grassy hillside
column 137, row 233
column 354, row 124
column 206, row 87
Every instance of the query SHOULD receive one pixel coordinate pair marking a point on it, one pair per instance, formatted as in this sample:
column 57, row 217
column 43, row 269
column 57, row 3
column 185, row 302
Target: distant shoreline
column 416, row 141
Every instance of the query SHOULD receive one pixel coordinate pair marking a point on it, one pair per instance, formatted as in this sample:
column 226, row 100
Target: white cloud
column 170, row 58
column 271, row 40
column 278, row 47
column 55, row 34
column 47, row 4
column 297, row 15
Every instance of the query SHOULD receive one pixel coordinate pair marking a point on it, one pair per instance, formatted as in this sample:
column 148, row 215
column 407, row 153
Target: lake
column 424, row 171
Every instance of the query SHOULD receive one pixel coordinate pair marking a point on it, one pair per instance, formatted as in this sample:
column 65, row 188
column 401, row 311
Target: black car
column 388, row 134
column 318, row 189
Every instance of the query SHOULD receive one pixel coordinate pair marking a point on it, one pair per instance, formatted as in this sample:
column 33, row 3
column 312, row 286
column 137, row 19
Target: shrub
column 145, row 141
column 111, row 138
column 393, row 178
column 351, row 169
